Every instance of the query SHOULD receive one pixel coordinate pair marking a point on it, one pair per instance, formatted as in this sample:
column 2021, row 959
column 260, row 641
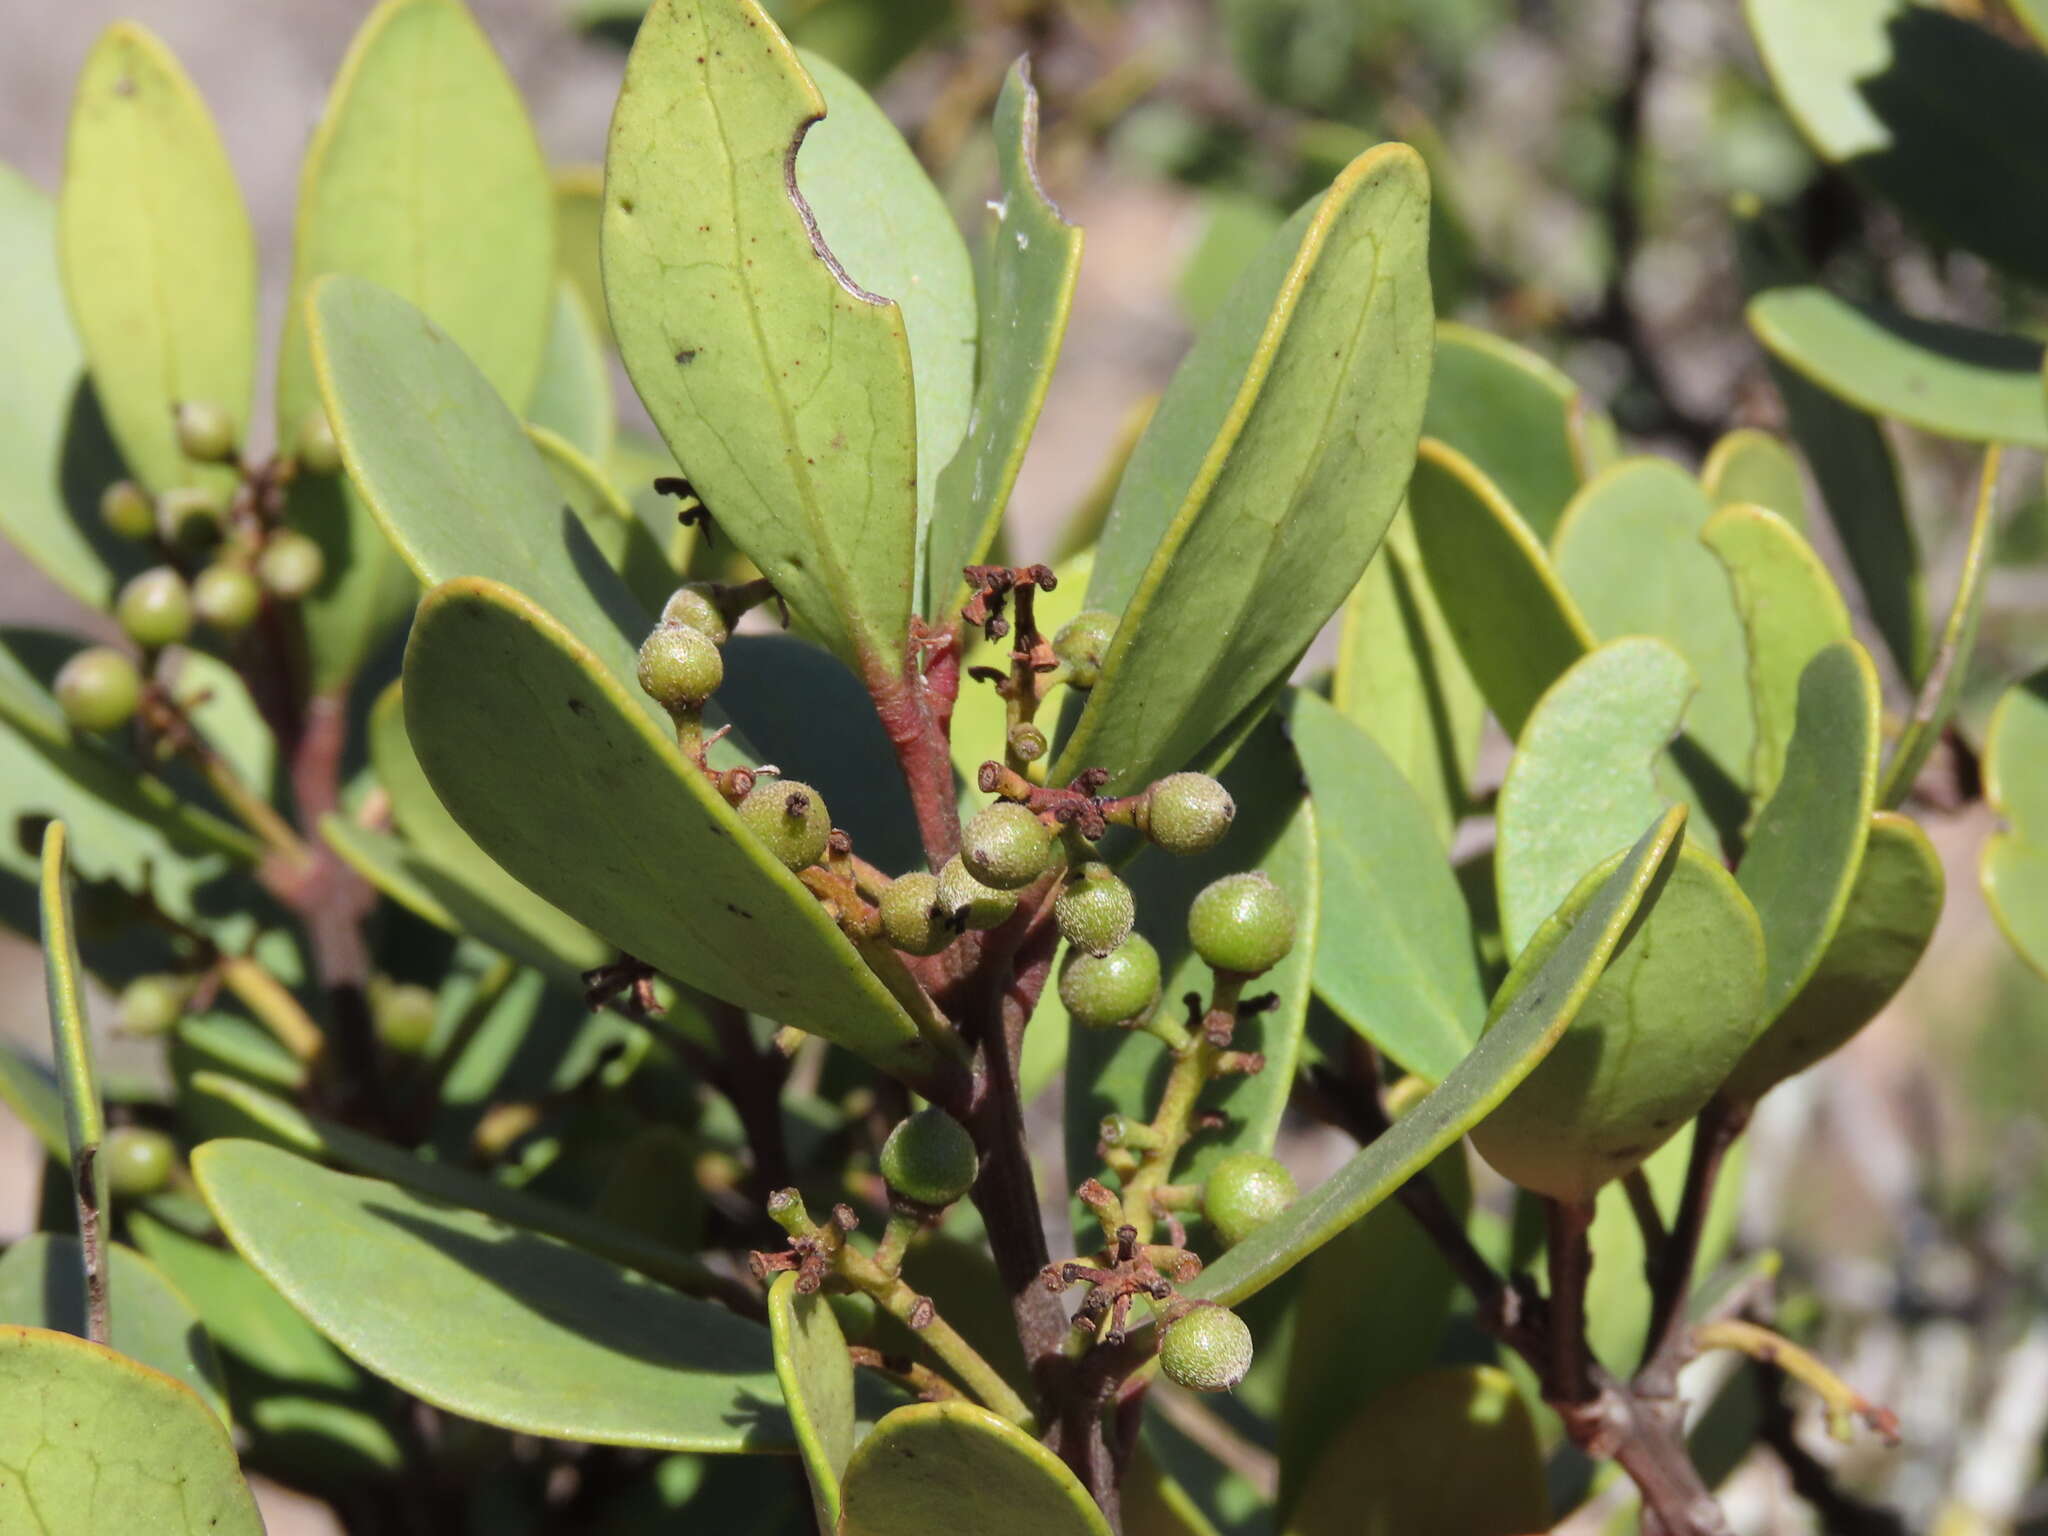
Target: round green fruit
column 968, row 902
column 151, row 1005
column 912, row 919
column 127, row 511
column 205, row 431
column 135, row 1160
column 1095, row 910
column 1206, row 1349
column 318, row 452
column 1082, row 643
column 692, row 607
column 1006, row 846
column 1242, row 923
column 226, row 597
column 1101, row 991
column 680, row 668
column 1243, row 1192
column 1188, row 813
column 929, row 1158
column 155, row 608
column 189, row 517
column 98, row 689
column 790, row 818
column 403, row 1014
column 290, row 565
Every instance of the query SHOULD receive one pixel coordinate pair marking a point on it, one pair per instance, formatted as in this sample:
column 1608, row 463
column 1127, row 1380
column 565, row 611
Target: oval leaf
column 816, row 1374
column 958, row 1467
column 1749, row 467
column 2014, row 871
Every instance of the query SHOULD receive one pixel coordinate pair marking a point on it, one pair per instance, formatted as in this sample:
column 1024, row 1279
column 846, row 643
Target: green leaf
column 1520, row 420
column 628, row 545
column 1394, row 953
column 491, row 1321
column 1790, row 611
column 573, row 395
column 816, row 1375
column 29, row 1088
column 1449, row 1450
column 1584, row 776
column 783, row 388
column 55, row 453
column 956, row 1467
column 158, row 257
column 1807, row 843
column 1114, row 1071
column 1535, row 1007
column 41, row 1286
column 1942, row 690
column 1034, row 257
column 1875, row 91
column 1264, row 483
column 551, row 766
column 84, row 1120
column 1677, row 1008
column 1514, row 623
column 1629, row 552
column 2014, row 867
column 96, row 1443
column 579, row 211
column 1951, row 380
column 1399, row 676
column 1885, row 928
column 1750, row 467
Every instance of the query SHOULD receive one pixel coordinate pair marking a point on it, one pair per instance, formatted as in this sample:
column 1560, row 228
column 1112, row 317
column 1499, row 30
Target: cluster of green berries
column 1242, row 924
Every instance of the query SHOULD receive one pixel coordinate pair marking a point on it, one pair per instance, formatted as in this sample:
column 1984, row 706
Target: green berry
column 127, row 511
column 1206, row 1349
column 290, row 565
column 1006, row 846
column 205, row 431
column 1095, row 910
column 787, row 816
column 190, row 517
column 318, row 453
column 968, row 902
column 98, row 689
column 680, row 668
column 135, row 1160
column 1242, row 923
column 912, row 918
column 1188, row 813
column 929, row 1158
column 1082, row 643
column 151, row 1005
column 155, row 608
column 1243, row 1192
column 692, row 607
column 403, row 1014
column 226, row 597
column 1105, row 990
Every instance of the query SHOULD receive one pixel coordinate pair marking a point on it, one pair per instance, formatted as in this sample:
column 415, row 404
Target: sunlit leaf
column 954, row 1466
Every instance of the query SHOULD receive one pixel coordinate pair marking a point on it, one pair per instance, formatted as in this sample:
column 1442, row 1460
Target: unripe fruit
column 969, row 903
column 205, row 431
column 318, row 453
column 929, row 1158
column 790, row 818
column 1243, row 1192
column 127, row 511
column 189, row 517
column 1242, row 923
column 155, row 608
column 226, row 597
column 680, row 668
column 1188, row 813
column 1104, row 990
column 151, row 1005
column 1095, row 910
column 1207, row 1349
column 290, row 565
column 912, row 919
column 1082, row 643
column 1006, row 846
column 403, row 1014
column 98, row 689
column 691, row 606
column 135, row 1160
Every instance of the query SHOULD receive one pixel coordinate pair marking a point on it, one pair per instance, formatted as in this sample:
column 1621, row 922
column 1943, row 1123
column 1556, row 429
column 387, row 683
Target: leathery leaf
column 816, row 1375
column 2014, row 867
column 957, row 1467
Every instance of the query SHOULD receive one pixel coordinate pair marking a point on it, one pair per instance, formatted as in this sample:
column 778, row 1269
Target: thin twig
column 1844, row 1403
column 1716, row 1130
column 85, row 1185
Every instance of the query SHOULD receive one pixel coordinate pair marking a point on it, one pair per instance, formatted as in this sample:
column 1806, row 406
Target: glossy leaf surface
column 956, row 1467
column 99, row 1445
column 2014, row 869
column 1267, row 478
column 1394, row 954
column 816, row 1375
column 159, row 260
column 1750, row 467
